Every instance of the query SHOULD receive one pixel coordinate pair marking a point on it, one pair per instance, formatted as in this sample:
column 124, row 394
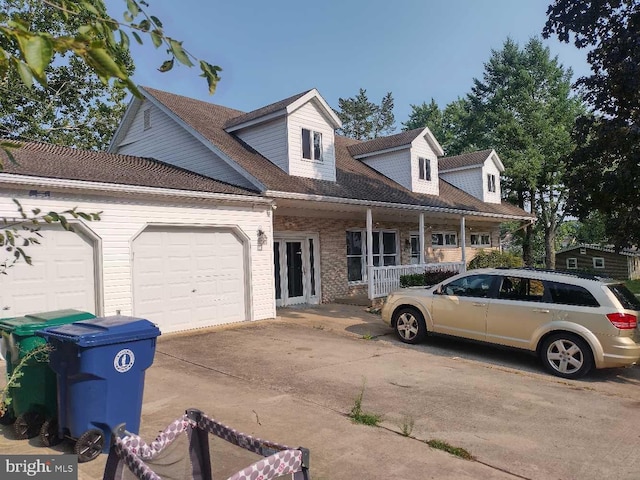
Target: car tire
column 409, row 325
column 566, row 355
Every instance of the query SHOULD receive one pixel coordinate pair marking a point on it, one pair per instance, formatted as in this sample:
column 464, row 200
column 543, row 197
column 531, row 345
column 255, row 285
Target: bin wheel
column 7, row 418
column 89, row 445
column 27, row 425
column 49, row 433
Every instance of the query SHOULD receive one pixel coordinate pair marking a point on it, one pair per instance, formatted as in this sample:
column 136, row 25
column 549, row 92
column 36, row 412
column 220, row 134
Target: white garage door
column 62, row 276
column 189, row 278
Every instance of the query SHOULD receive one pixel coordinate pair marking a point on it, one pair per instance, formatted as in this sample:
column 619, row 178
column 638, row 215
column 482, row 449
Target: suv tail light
column 623, row 321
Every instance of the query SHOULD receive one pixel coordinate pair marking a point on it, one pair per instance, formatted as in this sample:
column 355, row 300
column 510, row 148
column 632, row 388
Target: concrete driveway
column 294, row 380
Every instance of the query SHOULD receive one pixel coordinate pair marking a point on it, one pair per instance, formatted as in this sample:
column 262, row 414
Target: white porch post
column 421, row 243
column 370, row 252
column 463, row 241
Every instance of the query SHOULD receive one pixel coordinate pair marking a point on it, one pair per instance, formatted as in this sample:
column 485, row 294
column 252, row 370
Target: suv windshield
column 627, row 299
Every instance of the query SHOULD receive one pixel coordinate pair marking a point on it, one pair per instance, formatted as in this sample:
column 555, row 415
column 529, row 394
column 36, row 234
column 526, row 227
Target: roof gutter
column 403, row 206
column 8, row 179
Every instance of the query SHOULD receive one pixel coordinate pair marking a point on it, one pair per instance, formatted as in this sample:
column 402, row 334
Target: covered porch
column 332, row 251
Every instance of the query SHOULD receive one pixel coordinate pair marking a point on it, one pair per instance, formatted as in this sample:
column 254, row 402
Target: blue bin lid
column 103, row 331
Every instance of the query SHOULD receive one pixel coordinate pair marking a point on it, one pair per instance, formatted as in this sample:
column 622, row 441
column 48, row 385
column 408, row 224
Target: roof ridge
column 265, row 110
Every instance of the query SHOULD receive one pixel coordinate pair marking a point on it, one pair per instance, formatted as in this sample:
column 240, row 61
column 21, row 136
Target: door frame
column 304, row 238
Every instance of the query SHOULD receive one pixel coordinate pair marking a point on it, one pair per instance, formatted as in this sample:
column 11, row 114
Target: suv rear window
column 566, row 294
column 627, row 299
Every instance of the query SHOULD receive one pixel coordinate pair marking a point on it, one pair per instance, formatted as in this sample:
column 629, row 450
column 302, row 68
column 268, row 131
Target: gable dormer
column 477, row 173
column 296, row 134
column 409, row 158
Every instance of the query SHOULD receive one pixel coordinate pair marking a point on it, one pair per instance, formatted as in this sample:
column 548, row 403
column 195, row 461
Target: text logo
column 25, row 467
column 124, row 360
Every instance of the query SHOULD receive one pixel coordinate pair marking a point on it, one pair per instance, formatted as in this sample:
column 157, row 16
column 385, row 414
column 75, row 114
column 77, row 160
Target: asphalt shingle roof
column 464, row 160
column 384, row 143
column 260, row 112
column 53, row 161
column 354, row 179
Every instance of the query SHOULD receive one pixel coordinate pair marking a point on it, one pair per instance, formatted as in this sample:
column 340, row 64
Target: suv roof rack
column 571, row 273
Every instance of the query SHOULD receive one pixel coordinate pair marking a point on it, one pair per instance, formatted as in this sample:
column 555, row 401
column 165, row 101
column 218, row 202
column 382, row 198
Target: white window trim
column 426, row 168
column 480, row 234
column 491, row 183
column 312, row 134
column 594, row 262
column 363, row 255
column 443, row 233
column 575, row 263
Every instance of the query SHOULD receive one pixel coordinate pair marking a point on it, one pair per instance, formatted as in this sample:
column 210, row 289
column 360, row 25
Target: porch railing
column 387, row 279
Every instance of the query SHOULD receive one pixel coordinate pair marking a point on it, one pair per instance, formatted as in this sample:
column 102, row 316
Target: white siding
column 394, row 165
column 167, row 141
column 470, row 181
column 309, row 116
column 270, row 139
column 490, row 168
column 123, row 219
column 420, row 149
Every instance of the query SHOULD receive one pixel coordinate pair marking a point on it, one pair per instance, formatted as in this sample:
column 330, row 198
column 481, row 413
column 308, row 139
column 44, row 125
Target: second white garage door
column 189, row 278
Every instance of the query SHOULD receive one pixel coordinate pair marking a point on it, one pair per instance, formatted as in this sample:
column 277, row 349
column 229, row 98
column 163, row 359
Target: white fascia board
column 233, row 164
column 127, row 119
column 432, row 141
column 12, row 180
column 402, row 206
column 256, row 121
column 381, row 152
column 496, row 159
column 458, row 169
column 315, row 95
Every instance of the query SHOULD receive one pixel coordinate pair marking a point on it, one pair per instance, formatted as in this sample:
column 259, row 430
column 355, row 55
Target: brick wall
column 333, row 247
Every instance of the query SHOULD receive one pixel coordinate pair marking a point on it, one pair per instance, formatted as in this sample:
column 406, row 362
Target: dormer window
column 311, row 145
column 424, row 169
column 491, row 182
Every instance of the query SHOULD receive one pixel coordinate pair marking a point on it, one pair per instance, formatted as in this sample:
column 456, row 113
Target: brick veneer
column 333, row 247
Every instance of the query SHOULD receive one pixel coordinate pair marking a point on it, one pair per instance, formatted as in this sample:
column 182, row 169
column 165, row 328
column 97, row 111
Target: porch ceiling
column 307, row 209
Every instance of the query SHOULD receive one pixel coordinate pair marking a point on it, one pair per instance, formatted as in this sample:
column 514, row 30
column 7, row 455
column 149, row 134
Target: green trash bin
column 34, row 407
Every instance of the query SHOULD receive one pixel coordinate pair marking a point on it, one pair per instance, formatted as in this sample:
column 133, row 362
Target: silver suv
column 573, row 322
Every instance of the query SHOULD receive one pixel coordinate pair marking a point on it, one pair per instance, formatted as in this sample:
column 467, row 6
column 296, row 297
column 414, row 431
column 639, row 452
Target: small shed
column 601, row 260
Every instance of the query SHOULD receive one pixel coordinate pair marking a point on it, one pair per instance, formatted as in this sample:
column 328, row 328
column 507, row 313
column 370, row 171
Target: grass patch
column 367, row 336
column 633, row 285
column 445, row 447
column 358, row 416
column 406, row 425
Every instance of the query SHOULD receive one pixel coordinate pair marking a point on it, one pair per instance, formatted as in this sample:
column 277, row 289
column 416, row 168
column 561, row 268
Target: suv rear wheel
column 410, row 326
column 566, row 355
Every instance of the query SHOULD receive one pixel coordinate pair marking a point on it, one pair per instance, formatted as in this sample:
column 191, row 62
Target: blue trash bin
column 100, row 366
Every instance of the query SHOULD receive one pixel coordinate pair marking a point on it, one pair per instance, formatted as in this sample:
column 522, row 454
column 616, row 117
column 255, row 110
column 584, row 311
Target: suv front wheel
column 410, row 326
column 566, row 355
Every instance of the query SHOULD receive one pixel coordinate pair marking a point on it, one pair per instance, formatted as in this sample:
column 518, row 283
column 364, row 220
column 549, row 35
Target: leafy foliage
column 17, row 235
column 358, row 416
column 602, row 170
column 424, row 279
column 365, row 120
column 92, row 37
column 494, row 259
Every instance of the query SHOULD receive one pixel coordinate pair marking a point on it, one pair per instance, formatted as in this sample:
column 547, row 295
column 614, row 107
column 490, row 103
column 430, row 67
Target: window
column 385, row 252
column 627, row 299
column 480, row 240
column 311, row 145
column 444, row 239
column 424, row 169
column 491, row 182
column 572, row 263
column 415, row 249
column 525, row 289
column 598, row 262
column 583, row 251
column 471, row 286
column 147, row 118
column 571, row 295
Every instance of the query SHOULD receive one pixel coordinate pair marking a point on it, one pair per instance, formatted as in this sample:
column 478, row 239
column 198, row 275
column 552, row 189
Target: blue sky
column 270, row 50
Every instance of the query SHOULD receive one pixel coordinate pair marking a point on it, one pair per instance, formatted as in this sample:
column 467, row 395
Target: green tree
column 74, row 107
column 523, row 107
column 602, row 172
column 363, row 119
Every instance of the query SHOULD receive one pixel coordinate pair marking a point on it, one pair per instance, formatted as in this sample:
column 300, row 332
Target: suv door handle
column 479, row 304
column 540, row 310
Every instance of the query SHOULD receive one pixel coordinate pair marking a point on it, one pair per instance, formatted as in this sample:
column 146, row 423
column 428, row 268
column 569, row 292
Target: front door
column 295, row 270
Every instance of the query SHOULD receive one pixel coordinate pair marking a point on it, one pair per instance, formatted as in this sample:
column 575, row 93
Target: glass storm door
column 295, row 271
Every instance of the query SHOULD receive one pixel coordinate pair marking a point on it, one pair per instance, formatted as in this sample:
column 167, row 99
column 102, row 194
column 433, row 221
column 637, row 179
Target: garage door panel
column 62, row 276
column 198, row 278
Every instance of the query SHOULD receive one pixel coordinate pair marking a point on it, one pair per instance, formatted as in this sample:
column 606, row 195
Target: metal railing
column 387, row 279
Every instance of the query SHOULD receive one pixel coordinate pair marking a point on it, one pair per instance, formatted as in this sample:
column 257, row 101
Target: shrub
column 494, row 258
column 424, row 279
